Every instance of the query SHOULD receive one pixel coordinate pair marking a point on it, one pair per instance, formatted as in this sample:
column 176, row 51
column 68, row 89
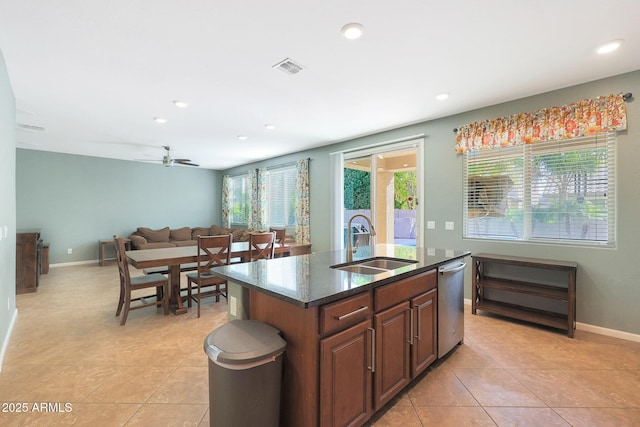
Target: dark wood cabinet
column 534, row 290
column 28, row 261
column 424, row 349
column 357, row 352
column 393, row 352
column 346, row 366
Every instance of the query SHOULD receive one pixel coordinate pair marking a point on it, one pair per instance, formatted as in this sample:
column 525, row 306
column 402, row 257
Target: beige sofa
column 146, row 238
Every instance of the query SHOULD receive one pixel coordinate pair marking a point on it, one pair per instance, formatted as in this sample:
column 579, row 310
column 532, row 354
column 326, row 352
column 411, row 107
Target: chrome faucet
column 350, row 249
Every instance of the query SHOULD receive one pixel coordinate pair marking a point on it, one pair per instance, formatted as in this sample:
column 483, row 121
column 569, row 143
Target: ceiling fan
column 167, row 160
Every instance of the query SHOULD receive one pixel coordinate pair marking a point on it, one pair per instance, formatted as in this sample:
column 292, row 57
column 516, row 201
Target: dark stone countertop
column 308, row 280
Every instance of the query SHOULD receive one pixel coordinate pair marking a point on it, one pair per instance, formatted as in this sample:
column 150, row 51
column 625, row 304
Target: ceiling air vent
column 30, row 128
column 288, row 66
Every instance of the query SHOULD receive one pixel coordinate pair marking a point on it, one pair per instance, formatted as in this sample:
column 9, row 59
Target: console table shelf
column 518, row 276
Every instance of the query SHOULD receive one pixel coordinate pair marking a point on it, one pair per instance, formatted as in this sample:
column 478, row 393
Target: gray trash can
column 245, row 374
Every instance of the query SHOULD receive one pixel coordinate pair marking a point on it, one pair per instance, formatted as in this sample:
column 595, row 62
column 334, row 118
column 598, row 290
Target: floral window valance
column 586, row 117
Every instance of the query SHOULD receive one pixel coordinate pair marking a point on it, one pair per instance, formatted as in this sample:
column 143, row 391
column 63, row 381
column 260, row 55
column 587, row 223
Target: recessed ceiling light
column 609, row 47
column 180, row 104
column 160, row 120
column 442, row 96
column 352, row 31
column 242, row 137
column 269, row 127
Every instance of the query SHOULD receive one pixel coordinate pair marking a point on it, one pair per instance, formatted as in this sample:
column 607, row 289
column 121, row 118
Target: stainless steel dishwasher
column 450, row 306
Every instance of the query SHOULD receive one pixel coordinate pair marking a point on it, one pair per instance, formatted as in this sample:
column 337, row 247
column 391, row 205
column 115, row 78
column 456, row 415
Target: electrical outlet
column 448, row 225
column 431, row 225
column 69, row 251
column 233, row 306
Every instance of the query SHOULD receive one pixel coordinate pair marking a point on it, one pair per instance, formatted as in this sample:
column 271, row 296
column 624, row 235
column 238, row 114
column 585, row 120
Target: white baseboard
column 597, row 330
column 5, row 344
column 68, row 264
column 608, row 332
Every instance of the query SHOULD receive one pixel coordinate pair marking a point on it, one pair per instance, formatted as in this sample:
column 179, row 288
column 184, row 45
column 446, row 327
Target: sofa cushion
column 137, row 240
column 240, row 235
column 199, row 231
column 216, row 230
column 177, row 234
column 157, row 245
column 152, row 236
column 184, row 242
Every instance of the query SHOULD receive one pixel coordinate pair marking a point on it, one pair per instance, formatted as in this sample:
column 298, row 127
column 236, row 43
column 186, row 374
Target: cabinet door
column 392, row 352
column 346, row 362
column 424, row 349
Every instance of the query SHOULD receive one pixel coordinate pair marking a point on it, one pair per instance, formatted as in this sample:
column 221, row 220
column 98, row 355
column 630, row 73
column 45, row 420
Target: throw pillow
column 199, row 231
column 183, row 233
column 161, row 235
column 216, row 230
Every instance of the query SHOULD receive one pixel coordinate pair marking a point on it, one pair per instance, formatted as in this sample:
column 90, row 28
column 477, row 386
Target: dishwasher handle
column 447, row 270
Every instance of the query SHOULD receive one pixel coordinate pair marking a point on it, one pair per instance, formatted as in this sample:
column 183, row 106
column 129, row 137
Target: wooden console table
column 28, row 260
column 101, row 247
column 534, row 290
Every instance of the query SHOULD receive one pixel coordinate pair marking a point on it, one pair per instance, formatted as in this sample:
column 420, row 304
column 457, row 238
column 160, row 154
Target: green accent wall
column 77, row 200
column 7, row 207
column 608, row 287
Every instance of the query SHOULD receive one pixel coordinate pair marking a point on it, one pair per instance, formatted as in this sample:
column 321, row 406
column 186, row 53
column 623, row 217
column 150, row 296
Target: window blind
column 554, row 191
column 281, row 184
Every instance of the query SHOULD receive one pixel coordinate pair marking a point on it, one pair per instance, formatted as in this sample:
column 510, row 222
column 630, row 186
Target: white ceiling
column 95, row 73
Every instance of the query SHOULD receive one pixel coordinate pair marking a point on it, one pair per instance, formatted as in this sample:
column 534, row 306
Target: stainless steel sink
column 387, row 264
column 360, row 269
column 373, row 266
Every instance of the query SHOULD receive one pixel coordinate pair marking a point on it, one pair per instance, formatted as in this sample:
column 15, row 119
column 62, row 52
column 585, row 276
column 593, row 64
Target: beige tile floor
column 69, row 348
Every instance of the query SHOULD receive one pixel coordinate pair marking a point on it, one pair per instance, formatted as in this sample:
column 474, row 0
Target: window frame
column 289, row 191
column 526, row 191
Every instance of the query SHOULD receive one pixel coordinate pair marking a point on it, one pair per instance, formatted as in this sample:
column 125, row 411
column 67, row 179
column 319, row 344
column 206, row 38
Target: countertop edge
column 345, row 293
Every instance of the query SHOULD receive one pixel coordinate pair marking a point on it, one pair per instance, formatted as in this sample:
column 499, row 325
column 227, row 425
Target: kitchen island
column 353, row 340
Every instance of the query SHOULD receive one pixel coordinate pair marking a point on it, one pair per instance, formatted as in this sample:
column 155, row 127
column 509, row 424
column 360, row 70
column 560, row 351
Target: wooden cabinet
column 384, row 346
column 393, row 352
column 346, row 360
column 424, row 349
column 28, row 261
column 534, row 290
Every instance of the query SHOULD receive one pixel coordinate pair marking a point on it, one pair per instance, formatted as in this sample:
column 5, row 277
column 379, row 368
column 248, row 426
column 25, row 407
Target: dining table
column 174, row 257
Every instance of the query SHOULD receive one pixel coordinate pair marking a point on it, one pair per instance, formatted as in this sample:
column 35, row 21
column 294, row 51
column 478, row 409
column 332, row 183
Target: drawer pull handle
column 353, row 313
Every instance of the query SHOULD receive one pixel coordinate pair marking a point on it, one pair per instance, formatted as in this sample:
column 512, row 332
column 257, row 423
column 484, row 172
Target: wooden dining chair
column 261, row 245
column 129, row 284
column 213, row 251
column 281, row 234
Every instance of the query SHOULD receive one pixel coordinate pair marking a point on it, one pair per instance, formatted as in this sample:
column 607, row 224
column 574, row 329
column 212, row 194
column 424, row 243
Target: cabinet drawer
column 343, row 313
column 391, row 294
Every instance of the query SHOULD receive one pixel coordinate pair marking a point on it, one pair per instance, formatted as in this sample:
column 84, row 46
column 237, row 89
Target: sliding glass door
column 383, row 184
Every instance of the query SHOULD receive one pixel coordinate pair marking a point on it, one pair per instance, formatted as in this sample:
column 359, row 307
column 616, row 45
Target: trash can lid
column 243, row 341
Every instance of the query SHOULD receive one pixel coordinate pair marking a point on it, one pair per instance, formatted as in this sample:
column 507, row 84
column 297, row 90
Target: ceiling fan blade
column 185, row 162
